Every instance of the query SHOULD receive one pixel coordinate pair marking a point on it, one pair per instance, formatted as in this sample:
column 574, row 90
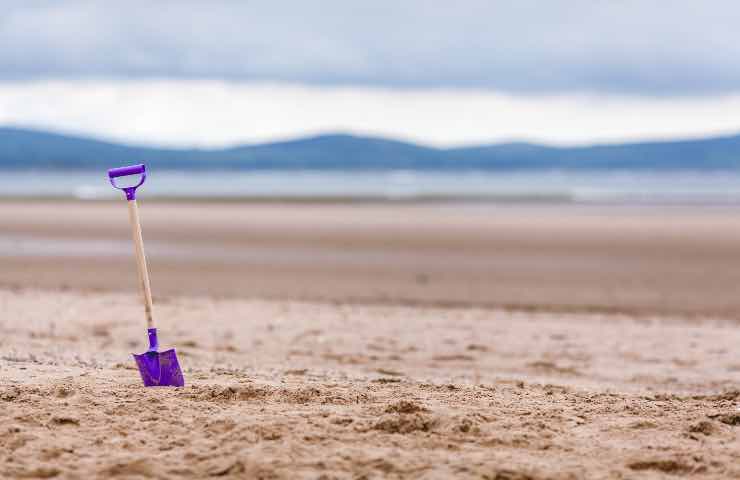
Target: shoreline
column 545, row 200
column 319, row 200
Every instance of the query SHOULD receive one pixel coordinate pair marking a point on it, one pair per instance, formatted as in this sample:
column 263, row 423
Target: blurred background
column 546, row 155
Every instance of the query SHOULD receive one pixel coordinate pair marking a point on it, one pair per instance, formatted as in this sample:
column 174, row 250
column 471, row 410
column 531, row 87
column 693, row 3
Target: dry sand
column 569, row 347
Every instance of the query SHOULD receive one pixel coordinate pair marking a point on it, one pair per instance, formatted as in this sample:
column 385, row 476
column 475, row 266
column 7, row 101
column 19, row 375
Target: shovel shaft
column 133, row 210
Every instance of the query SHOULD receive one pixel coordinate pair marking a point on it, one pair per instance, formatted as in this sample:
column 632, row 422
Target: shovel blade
column 160, row 369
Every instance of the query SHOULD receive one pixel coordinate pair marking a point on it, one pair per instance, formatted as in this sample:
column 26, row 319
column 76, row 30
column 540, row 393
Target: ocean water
column 651, row 187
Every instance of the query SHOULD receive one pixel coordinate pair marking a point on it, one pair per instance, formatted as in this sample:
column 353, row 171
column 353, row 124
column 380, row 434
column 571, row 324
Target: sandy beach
column 373, row 341
column 668, row 260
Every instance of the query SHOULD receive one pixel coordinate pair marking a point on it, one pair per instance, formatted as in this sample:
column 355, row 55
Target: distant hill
column 27, row 149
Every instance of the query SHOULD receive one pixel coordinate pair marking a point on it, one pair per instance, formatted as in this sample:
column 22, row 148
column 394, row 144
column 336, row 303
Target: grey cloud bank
column 638, row 47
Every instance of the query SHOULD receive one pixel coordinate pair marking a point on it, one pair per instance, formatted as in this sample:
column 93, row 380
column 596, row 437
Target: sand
column 670, row 260
column 482, row 346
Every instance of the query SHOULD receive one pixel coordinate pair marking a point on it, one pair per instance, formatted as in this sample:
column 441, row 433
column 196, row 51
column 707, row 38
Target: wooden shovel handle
column 133, row 211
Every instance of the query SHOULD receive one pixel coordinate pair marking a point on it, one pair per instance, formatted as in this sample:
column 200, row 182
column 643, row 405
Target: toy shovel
column 157, row 369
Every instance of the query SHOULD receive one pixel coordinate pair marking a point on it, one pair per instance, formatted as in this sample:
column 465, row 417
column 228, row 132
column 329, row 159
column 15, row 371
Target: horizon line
column 362, row 136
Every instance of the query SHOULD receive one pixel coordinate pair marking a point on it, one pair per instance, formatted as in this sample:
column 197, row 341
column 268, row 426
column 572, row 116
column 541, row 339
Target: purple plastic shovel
column 157, row 369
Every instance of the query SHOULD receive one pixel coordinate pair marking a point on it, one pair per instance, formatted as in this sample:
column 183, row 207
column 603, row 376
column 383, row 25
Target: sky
column 217, row 73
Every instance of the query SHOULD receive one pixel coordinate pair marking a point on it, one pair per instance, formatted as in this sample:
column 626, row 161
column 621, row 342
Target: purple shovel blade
column 159, row 369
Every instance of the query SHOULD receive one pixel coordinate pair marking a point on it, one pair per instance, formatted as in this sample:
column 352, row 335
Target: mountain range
column 34, row 149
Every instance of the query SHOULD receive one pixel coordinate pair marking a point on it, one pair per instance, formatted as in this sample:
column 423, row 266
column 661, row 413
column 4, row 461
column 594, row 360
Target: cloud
column 682, row 47
column 212, row 113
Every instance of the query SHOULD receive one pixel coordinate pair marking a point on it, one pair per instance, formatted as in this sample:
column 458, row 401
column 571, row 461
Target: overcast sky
column 503, row 69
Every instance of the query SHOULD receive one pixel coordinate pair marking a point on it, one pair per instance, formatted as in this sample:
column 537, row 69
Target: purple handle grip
column 114, row 173
column 124, row 171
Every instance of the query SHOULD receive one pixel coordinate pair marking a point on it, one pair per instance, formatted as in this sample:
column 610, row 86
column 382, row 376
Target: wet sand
column 672, row 260
column 320, row 341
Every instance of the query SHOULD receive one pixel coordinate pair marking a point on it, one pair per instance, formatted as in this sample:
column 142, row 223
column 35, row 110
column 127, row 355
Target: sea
column 548, row 186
